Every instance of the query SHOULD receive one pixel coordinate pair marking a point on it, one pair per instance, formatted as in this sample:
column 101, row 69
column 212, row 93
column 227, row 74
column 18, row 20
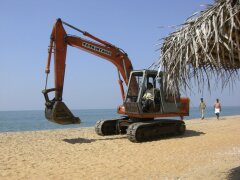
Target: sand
column 210, row 149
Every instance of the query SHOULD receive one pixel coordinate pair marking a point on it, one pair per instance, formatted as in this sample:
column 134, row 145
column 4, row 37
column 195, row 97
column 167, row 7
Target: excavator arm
column 56, row 110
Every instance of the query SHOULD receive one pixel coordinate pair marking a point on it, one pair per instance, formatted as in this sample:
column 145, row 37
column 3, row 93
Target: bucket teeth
column 60, row 114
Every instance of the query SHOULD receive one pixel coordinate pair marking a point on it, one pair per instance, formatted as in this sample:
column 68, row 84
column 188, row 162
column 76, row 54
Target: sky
column 90, row 82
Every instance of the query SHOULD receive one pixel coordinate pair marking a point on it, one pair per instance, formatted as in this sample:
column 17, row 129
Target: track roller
column 145, row 131
column 112, row 126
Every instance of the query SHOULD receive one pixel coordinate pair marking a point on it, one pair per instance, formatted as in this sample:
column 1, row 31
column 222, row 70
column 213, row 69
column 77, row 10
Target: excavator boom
column 56, row 110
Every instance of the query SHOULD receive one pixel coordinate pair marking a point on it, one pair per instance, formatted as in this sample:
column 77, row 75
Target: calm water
column 12, row 121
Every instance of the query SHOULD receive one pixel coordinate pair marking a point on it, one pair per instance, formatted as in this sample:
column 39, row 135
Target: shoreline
column 35, row 120
column 209, row 149
column 69, row 128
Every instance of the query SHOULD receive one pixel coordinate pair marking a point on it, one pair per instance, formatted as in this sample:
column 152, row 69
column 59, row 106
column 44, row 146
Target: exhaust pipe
column 57, row 111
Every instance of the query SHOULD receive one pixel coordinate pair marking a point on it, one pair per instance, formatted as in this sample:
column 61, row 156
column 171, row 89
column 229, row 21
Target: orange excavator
column 141, row 121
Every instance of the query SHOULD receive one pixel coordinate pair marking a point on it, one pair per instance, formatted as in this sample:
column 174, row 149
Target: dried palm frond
column 205, row 47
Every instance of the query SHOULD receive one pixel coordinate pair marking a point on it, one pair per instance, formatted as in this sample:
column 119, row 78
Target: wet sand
column 210, row 149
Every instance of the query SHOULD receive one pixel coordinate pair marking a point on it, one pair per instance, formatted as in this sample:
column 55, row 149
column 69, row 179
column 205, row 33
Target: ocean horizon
column 34, row 120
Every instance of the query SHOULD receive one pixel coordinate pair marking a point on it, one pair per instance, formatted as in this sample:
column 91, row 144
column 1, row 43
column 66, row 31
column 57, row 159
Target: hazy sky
column 90, row 82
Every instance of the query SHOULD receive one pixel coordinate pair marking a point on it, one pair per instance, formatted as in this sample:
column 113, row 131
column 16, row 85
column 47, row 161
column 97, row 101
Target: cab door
column 133, row 97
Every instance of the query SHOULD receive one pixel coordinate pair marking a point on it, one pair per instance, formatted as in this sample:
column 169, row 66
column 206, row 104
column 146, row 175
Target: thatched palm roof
column 206, row 46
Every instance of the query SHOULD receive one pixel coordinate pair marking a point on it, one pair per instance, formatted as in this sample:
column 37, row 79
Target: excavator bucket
column 60, row 114
column 57, row 111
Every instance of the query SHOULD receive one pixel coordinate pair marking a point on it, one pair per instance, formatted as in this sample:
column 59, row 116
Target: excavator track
column 112, row 126
column 151, row 130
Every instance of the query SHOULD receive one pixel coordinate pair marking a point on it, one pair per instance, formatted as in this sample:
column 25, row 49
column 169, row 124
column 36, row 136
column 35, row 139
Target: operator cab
column 161, row 103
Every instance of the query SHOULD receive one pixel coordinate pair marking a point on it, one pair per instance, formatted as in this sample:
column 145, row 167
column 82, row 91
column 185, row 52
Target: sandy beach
column 210, row 149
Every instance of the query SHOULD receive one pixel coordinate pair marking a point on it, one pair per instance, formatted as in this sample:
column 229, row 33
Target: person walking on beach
column 202, row 107
column 217, row 108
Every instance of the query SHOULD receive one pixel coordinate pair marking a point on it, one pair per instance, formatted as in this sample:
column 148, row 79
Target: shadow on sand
column 188, row 133
column 234, row 174
column 84, row 140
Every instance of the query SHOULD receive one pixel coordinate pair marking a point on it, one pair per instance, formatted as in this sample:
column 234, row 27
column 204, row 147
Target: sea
column 34, row 120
